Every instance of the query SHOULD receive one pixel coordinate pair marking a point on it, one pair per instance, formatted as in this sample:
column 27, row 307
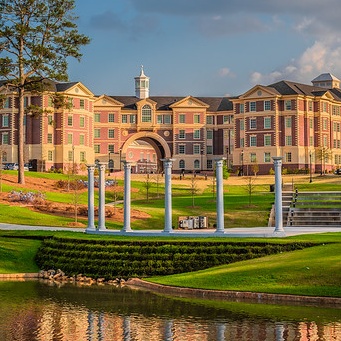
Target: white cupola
column 142, row 85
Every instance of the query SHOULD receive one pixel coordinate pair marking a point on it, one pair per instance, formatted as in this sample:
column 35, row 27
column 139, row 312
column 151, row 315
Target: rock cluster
column 59, row 276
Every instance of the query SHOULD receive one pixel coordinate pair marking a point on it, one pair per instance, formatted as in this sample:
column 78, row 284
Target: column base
column 279, row 233
column 90, row 228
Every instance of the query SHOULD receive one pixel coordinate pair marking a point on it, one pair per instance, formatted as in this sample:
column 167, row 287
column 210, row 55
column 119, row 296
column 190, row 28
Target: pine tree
column 36, row 37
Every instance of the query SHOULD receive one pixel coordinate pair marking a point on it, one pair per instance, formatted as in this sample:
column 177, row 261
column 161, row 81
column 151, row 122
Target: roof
column 164, row 102
column 325, row 77
column 293, row 88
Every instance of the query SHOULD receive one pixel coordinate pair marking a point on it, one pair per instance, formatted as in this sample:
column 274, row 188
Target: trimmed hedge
column 112, row 259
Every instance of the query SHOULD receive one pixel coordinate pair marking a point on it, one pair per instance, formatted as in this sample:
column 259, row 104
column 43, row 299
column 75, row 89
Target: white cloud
column 225, row 72
column 319, row 58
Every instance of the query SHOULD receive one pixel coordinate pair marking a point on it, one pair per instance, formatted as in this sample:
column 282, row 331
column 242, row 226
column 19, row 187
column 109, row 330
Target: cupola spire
column 142, row 85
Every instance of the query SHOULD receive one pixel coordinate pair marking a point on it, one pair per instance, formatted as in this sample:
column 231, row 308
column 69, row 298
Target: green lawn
column 314, row 271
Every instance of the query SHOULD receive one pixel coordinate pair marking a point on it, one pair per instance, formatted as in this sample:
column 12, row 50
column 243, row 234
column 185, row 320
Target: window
column 197, row 118
column 196, row 164
column 81, row 140
column 97, row 148
column 287, row 157
column 287, row 122
column 70, row 120
column 288, row 140
column 124, row 118
column 182, row 149
column 226, row 119
column 209, row 164
column 311, row 123
column 310, row 105
column 82, row 121
column 70, row 155
column 69, row 138
column 196, row 134
column 82, row 156
column 70, row 102
column 49, row 138
column 287, row 105
column 167, row 119
column 50, row 155
column 196, row 149
column 182, row 164
column 97, row 133
column 209, row 134
column 267, row 105
column 252, row 106
column 159, row 119
column 253, row 157
column 242, row 125
column 97, row 117
column 82, row 103
column 241, row 108
column 4, row 157
column 111, row 148
column 253, row 123
column 5, row 138
column 146, row 114
column 267, row 157
column 209, row 119
column 253, row 141
column 325, row 124
column 311, row 140
column 111, row 133
column 111, row 117
column 267, row 122
column 133, row 119
column 209, row 149
column 5, row 120
column 182, row 134
column 26, row 102
column 242, row 142
column 6, row 103
column 325, row 141
column 267, row 140
column 50, row 120
column 182, row 118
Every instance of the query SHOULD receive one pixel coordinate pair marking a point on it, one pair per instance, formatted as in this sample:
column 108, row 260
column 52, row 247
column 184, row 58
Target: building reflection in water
column 132, row 317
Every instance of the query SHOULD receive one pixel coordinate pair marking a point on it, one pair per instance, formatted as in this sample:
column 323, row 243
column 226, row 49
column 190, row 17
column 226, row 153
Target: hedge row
column 111, row 259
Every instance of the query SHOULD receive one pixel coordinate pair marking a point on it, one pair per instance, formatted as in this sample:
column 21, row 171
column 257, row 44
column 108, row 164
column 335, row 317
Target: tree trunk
column 21, row 111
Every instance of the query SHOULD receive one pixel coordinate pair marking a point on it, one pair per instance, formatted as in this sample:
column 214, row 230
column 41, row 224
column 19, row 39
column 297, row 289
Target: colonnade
column 167, row 163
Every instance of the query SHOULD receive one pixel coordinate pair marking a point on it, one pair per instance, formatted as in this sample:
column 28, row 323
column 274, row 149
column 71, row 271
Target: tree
column 323, row 154
column 250, row 187
column 36, row 37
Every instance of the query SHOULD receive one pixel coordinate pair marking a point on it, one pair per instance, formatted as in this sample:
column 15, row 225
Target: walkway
column 240, row 232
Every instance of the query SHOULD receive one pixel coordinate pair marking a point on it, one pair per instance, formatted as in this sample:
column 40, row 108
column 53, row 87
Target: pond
column 37, row 310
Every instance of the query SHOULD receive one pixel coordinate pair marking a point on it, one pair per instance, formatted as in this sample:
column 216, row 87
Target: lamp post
column 201, row 154
column 310, row 170
column 120, row 159
column 109, row 163
column 242, row 157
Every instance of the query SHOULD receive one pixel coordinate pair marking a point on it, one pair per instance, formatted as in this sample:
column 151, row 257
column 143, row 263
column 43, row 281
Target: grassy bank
column 314, row 271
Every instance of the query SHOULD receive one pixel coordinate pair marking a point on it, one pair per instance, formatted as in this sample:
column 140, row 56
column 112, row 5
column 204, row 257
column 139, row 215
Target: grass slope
column 314, row 271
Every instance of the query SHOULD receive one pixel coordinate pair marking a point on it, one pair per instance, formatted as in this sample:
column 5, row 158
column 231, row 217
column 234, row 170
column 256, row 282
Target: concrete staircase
column 314, row 208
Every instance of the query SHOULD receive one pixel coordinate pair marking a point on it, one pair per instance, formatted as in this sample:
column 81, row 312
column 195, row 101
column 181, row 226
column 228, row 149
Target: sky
column 205, row 47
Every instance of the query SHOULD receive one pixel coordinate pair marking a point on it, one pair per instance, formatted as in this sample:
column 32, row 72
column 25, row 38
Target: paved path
column 253, row 232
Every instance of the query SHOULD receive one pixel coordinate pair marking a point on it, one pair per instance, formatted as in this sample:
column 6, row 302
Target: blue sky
column 205, row 47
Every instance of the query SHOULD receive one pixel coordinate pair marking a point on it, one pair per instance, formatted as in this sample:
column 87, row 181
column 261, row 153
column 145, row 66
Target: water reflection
column 36, row 311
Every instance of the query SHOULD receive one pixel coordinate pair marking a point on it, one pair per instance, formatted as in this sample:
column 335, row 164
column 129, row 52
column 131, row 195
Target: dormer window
column 146, row 116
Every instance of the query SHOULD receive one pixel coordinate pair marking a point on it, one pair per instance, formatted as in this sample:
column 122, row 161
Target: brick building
column 297, row 121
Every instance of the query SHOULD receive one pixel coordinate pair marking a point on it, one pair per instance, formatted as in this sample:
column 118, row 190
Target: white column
column 127, row 201
column 101, row 192
column 220, row 195
column 278, row 196
column 91, row 200
column 167, row 165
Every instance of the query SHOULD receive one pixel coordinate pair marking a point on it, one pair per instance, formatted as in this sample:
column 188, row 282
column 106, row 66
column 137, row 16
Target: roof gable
column 107, row 101
column 74, row 88
column 260, row 91
column 189, row 102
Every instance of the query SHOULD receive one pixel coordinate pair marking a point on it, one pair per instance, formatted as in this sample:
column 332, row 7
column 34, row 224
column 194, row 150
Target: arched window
column 146, row 114
column 196, row 164
column 182, row 164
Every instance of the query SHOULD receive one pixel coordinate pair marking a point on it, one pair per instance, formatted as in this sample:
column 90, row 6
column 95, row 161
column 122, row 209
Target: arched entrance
column 156, row 141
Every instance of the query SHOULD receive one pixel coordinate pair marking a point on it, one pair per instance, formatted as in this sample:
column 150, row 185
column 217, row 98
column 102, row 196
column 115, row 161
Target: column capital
column 277, row 158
